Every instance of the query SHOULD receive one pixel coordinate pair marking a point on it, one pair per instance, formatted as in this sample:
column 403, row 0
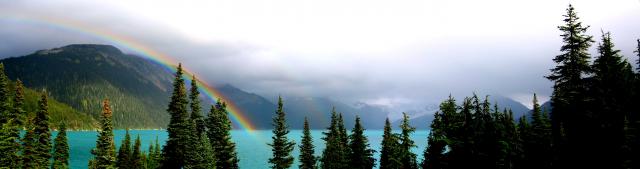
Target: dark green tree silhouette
column 176, row 151
column 361, row 154
column 43, row 133
column 136, row 159
column 407, row 158
column 219, row 135
column 390, row 147
column 307, row 158
column 104, row 155
column 334, row 156
column 281, row 146
column 124, row 158
column 61, row 149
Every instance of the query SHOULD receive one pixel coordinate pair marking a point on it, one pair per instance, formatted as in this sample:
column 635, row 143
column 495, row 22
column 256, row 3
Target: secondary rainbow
column 166, row 61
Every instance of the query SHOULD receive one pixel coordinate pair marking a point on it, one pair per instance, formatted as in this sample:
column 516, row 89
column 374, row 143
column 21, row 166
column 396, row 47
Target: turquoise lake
column 252, row 147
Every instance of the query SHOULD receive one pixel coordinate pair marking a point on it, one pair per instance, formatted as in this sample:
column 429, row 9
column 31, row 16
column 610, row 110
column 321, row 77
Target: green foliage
column 336, row 154
column 307, row 158
column 104, row 155
column 10, row 131
column 404, row 154
column 42, row 134
column 390, row 146
column 136, row 160
column 124, row 157
column 5, row 105
column 154, row 155
column 29, row 142
column 219, row 133
column 176, row 150
column 281, row 145
column 361, row 154
column 61, row 149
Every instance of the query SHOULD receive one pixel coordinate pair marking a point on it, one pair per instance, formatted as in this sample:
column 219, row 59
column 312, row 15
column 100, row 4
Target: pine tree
column 154, row 155
column 307, row 157
column 61, row 149
column 5, row 106
column 407, row 158
column 434, row 157
column 124, row 153
column 176, row 150
column 334, row 156
column 104, row 155
column 219, row 135
column 525, row 139
column 135, row 160
column 29, row 152
column 569, row 93
column 539, row 148
column 281, row 145
column 390, row 145
column 10, row 147
column 361, row 154
column 43, row 133
column 196, row 116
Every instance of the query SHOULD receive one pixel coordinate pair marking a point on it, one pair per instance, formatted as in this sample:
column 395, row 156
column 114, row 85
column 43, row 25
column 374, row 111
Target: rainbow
column 237, row 116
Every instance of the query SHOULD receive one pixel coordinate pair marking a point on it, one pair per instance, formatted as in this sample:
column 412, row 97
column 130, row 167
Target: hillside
column 83, row 75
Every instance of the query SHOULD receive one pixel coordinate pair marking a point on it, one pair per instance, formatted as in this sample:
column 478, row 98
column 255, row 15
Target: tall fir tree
column 123, row 159
column 42, row 132
column 5, row 105
column 196, row 115
column 201, row 156
column 29, row 143
column 390, row 145
column 104, row 155
column 61, row 149
column 10, row 147
column 407, row 158
column 434, row 157
column 281, row 146
column 136, row 158
column 307, row 153
column 539, row 147
column 334, row 156
column 569, row 94
column 153, row 155
column 361, row 155
column 176, row 150
column 219, row 133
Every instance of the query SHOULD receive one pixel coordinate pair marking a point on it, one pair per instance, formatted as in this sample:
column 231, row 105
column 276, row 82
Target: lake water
column 252, row 147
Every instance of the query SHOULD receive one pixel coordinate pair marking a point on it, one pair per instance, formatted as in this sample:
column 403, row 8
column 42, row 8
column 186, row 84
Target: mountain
column 83, row 75
column 258, row 109
column 318, row 110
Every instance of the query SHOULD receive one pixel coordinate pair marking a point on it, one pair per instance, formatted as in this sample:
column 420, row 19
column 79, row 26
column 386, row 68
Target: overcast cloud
column 395, row 53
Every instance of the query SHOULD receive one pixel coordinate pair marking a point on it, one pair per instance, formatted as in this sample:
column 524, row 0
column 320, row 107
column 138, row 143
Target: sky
column 401, row 54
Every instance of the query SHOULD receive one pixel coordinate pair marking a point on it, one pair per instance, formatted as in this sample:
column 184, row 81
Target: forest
column 594, row 122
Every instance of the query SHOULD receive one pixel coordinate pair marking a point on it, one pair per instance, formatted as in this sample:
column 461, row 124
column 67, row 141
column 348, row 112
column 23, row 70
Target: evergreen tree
column 176, row 150
column 407, row 158
column 281, row 145
column 219, row 133
column 538, row 149
column 5, row 106
column 434, row 157
column 390, row 144
column 61, row 149
column 334, row 156
column 104, row 155
column 154, row 155
column 124, row 153
column 361, row 155
column 29, row 152
column 42, row 133
column 10, row 147
column 135, row 160
column 524, row 130
column 307, row 157
column 196, row 116
column 569, row 93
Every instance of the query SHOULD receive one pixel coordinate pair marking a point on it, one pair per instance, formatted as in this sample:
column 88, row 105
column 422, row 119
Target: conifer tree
column 200, row 155
column 10, row 147
column 154, row 155
column 390, row 146
column 5, row 106
column 334, row 155
column 569, row 93
column 176, row 150
column 307, row 157
column 539, row 148
column 407, row 158
column 361, row 154
column 196, row 115
column 61, row 149
column 123, row 160
column 434, row 153
column 281, row 146
column 219, row 134
column 43, row 133
column 104, row 155
column 29, row 152
column 135, row 159
column 524, row 130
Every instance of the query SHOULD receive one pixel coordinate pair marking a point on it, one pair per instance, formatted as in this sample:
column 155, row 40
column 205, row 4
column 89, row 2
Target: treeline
column 35, row 149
